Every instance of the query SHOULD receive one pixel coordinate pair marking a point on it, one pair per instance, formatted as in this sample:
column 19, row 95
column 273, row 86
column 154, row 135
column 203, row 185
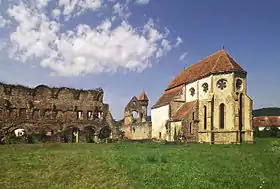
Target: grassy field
column 136, row 165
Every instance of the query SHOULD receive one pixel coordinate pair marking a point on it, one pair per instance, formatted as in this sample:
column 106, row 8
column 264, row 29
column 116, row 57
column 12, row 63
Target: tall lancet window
column 222, row 116
column 241, row 112
column 205, row 117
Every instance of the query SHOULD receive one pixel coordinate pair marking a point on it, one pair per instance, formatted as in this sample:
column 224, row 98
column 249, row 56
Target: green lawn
column 136, row 165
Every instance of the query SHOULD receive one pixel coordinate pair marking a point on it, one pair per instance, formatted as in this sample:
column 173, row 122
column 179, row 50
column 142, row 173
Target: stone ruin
column 54, row 114
column 136, row 125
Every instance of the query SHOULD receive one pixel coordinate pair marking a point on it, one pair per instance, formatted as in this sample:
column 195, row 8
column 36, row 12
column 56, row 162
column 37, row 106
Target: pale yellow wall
column 224, row 96
column 173, row 125
column 159, row 117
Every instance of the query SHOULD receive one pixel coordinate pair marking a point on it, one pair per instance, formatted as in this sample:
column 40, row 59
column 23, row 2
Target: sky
column 128, row 46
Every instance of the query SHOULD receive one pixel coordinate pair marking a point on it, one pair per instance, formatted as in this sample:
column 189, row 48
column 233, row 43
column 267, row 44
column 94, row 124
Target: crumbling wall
column 44, row 107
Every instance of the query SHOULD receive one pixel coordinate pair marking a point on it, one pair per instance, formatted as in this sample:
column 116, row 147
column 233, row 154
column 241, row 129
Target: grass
column 141, row 165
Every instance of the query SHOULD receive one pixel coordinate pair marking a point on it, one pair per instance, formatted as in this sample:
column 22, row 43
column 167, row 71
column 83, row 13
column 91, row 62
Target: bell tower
column 144, row 101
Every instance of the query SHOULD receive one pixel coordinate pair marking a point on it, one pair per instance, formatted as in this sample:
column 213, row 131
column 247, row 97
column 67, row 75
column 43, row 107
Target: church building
column 207, row 102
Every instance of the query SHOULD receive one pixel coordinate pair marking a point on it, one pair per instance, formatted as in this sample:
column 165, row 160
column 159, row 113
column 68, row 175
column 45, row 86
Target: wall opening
column 241, row 112
column 159, row 135
column 19, row 132
column 190, row 127
column 134, row 116
column 79, row 115
column 205, row 118
column 89, row 115
column 222, row 116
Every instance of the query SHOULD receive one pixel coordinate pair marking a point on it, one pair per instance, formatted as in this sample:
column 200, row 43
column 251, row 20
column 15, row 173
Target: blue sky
column 249, row 30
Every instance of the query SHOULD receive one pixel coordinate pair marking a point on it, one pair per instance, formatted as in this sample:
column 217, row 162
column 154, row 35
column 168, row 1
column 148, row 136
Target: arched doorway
column 88, row 134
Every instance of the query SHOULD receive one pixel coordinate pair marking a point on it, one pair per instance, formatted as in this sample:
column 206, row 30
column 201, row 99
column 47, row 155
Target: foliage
column 267, row 112
column 140, row 165
column 268, row 132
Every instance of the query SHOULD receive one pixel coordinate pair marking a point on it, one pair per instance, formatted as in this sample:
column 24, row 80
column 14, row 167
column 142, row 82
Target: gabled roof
column 266, row 121
column 168, row 96
column 183, row 111
column 143, row 96
column 218, row 62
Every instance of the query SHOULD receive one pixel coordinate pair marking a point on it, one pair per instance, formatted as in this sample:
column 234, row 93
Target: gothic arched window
column 222, row 116
column 205, row 117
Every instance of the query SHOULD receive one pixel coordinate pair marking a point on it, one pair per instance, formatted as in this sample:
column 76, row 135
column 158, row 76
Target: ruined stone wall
column 56, row 108
column 138, row 131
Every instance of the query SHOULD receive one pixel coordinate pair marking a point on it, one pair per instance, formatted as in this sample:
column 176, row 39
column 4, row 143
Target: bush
column 268, row 132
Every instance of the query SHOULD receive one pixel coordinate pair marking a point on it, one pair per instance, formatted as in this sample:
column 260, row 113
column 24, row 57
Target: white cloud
column 179, row 41
column 142, row 1
column 84, row 49
column 56, row 13
column 183, row 56
column 77, row 7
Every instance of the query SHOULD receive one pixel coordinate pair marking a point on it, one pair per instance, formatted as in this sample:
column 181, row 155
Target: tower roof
column 143, row 96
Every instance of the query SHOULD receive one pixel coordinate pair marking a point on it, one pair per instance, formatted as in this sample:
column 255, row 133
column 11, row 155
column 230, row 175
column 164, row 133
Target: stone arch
column 88, row 134
column 65, row 93
column 43, row 91
column 71, row 133
column 105, row 132
column 134, row 115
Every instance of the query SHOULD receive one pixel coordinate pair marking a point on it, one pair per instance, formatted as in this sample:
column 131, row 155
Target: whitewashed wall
column 159, row 117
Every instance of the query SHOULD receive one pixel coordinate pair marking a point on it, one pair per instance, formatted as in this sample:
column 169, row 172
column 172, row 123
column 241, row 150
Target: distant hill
column 273, row 111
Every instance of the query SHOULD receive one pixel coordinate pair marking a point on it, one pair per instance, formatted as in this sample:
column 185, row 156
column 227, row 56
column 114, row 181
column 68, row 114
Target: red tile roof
column 266, row 121
column 143, row 96
column 183, row 111
column 220, row 61
column 167, row 96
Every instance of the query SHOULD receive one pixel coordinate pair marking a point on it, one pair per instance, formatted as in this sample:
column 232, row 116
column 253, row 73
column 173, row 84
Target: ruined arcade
column 62, row 114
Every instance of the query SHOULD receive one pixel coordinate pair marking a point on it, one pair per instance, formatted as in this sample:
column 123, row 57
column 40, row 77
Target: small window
column 238, row 84
column 80, row 115
column 222, row 84
column 192, row 91
column 89, row 115
column 190, row 127
column 205, row 87
column 159, row 135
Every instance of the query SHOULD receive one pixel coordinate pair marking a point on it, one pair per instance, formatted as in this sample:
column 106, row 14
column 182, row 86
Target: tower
column 144, row 101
